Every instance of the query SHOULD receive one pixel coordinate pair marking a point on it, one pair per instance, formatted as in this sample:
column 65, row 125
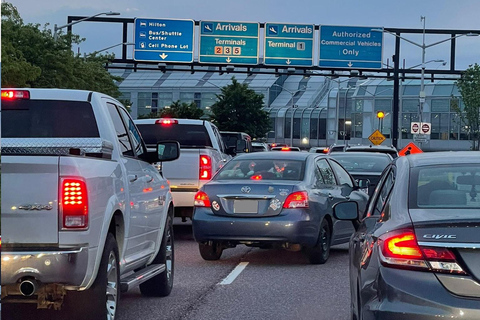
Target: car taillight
column 15, row 94
column 205, row 167
column 74, row 203
column 296, row 200
column 166, row 121
column 201, row 199
column 285, row 149
column 400, row 249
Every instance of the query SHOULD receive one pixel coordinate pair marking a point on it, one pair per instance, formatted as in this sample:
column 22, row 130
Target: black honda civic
column 416, row 250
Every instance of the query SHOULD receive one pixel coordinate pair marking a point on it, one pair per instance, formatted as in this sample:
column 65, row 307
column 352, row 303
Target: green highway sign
column 288, row 44
column 229, row 42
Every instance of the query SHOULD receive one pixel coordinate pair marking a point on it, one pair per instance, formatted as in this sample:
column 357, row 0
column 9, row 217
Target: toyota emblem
column 246, row 189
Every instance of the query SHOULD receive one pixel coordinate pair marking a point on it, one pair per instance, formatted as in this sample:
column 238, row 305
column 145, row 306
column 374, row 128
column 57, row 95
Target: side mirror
column 168, row 150
column 232, row 151
column 346, row 210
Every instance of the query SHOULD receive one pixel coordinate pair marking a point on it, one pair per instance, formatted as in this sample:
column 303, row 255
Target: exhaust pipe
column 28, row 287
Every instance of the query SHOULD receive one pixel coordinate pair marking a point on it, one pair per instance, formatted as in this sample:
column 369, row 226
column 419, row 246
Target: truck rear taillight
column 205, row 167
column 73, row 203
column 15, row 94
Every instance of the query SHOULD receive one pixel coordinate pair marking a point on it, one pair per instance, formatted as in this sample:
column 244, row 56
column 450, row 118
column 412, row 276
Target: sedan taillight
column 73, row 203
column 296, row 200
column 201, row 199
column 400, row 249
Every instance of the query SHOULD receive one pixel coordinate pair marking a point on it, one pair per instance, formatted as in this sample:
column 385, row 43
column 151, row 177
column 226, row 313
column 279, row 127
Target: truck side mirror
column 168, row 150
column 232, row 151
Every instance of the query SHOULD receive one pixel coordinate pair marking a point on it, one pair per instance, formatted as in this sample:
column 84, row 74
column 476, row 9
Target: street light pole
column 56, row 29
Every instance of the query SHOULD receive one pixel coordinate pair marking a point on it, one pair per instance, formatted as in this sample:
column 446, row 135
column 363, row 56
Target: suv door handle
column 132, row 177
column 148, row 179
column 330, row 196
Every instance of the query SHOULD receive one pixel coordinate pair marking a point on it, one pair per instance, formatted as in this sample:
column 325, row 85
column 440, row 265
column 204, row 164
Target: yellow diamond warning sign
column 376, row 137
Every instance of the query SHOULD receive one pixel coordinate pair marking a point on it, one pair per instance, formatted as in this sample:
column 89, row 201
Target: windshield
column 262, row 169
column 362, row 163
column 188, row 135
column 48, row 119
column 446, row 187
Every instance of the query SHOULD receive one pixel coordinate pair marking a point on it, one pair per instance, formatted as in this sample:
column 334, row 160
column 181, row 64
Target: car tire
column 162, row 284
column 321, row 251
column 210, row 250
column 100, row 301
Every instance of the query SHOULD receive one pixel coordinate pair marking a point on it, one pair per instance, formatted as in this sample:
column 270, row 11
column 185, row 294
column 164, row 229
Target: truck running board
column 140, row 276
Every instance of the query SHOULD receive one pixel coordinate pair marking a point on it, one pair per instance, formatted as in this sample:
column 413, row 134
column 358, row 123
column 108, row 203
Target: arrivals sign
column 288, row 44
column 350, row 47
column 229, row 42
column 163, row 40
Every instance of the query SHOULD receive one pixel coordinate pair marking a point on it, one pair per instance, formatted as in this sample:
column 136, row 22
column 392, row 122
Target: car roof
column 276, row 155
column 180, row 121
column 360, row 154
column 442, row 157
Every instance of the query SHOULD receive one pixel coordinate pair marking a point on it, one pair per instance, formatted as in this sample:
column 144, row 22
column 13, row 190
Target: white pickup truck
column 202, row 154
column 85, row 214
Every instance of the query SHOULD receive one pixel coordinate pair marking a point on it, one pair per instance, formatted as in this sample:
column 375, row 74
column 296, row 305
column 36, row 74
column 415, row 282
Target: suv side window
column 342, row 174
column 122, row 135
column 326, row 172
column 134, row 134
column 380, row 197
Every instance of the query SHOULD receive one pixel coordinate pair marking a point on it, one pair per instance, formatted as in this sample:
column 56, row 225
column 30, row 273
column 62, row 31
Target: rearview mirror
column 168, row 150
column 363, row 183
column 346, row 210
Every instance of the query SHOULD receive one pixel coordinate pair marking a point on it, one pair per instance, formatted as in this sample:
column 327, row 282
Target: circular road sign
column 415, row 127
column 425, row 128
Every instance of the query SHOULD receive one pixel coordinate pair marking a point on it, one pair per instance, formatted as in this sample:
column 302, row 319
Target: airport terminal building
column 313, row 111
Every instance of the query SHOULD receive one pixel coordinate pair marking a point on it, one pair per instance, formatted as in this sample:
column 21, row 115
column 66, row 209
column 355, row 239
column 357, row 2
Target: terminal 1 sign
column 237, row 43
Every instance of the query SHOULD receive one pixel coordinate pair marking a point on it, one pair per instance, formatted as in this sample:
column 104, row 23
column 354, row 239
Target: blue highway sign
column 288, row 44
column 350, row 47
column 163, row 40
column 228, row 42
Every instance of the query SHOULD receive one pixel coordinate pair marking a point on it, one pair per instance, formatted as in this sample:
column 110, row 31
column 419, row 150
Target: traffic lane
column 278, row 285
column 194, row 278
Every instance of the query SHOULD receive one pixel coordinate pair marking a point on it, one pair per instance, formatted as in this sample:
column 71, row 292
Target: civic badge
column 215, row 205
column 271, row 189
column 246, row 189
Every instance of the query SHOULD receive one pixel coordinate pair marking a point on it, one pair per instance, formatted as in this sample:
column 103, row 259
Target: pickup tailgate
column 183, row 173
column 30, row 199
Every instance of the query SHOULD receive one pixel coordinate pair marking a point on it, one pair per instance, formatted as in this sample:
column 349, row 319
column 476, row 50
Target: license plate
column 245, row 206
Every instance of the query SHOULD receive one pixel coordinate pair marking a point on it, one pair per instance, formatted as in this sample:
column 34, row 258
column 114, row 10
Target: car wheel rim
column 169, row 254
column 112, row 286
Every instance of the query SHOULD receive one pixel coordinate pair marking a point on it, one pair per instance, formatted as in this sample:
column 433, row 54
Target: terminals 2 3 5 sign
column 223, row 42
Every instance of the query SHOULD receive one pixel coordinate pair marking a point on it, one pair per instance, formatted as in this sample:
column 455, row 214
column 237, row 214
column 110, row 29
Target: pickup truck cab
column 203, row 153
column 85, row 214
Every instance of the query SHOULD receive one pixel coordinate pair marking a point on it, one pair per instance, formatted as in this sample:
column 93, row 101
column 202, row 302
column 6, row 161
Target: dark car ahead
column 416, row 251
column 364, row 165
column 268, row 199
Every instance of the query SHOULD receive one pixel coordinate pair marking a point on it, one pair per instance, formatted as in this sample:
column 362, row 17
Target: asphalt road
column 275, row 284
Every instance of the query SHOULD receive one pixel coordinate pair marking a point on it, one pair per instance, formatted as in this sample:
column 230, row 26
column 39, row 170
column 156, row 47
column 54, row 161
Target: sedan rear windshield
column 48, row 119
column 445, row 187
column 188, row 135
column 262, row 169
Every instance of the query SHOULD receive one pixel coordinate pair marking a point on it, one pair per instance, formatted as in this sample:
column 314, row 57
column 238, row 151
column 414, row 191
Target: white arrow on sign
column 288, row 61
column 163, row 55
column 229, row 60
column 350, row 64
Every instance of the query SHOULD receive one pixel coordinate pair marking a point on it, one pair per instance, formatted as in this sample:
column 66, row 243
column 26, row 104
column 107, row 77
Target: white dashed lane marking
column 234, row 274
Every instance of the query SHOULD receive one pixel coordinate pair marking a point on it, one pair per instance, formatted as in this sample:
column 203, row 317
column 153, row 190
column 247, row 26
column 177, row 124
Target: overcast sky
column 440, row 14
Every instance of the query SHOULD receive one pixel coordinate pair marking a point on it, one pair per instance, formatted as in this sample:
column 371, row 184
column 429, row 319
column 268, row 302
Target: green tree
column 181, row 110
column 469, row 88
column 240, row 109
column 32, row 58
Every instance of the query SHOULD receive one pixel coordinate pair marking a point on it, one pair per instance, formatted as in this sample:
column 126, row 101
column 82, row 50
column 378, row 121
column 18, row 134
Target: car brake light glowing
column 201, row 199
column 74, row 203
column 285, row 149
column 256, row 177
column 15, row 94
column 296, row 200
column 205, row 167
column 400, row 249
column 166, row 122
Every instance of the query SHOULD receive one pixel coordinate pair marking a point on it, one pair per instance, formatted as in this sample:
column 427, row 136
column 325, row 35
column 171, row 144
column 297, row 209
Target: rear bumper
column 295, row 226
column 66, row 266
column 406, row 295
column 184, row 198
